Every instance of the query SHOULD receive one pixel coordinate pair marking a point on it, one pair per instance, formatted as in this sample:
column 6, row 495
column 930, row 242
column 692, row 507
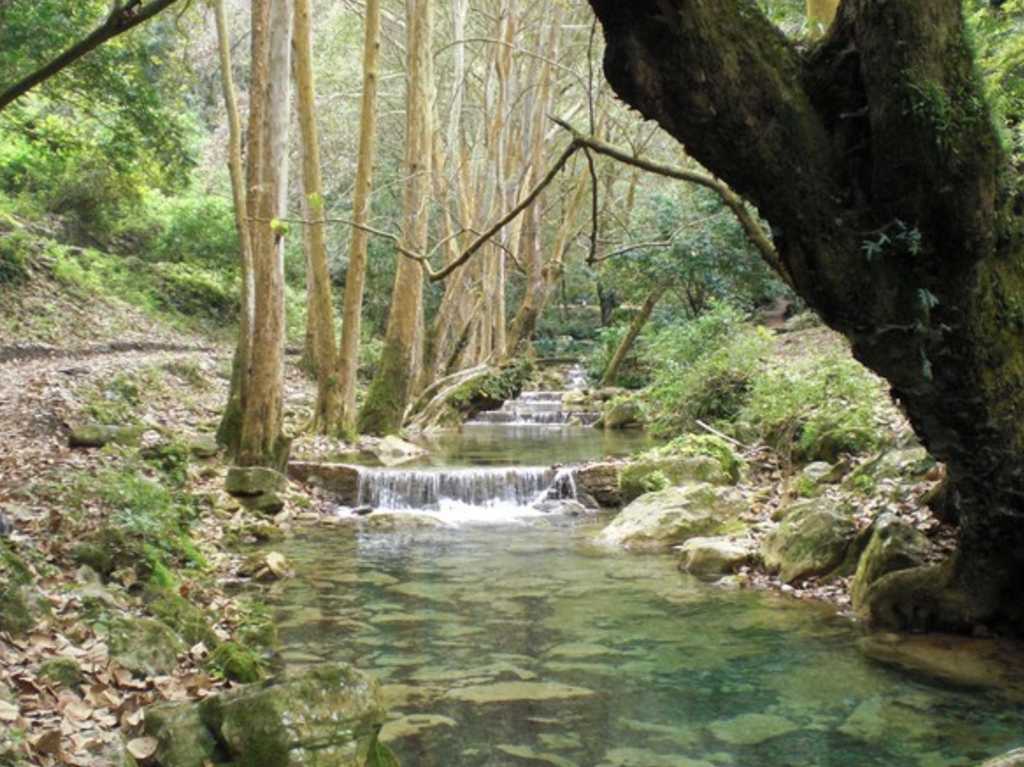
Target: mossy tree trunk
column 262, row 441
column 820, row 13
column 321, row 303
column 875, row 159
column 394, row 383
column 355, row 278
column 230, row 429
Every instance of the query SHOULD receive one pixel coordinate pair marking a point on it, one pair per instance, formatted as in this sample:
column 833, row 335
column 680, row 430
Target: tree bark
column 355, row 277
column 393, row 385
column 321, row 304
column 875, row 159
column 632, row 333
column 262, row 440
column 820, row 13
column 229, row 431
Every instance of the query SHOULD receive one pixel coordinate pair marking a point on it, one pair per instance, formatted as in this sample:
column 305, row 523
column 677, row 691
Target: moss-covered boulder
column 188, row 621
column 812, row 539
column 144, row 646
column 904, row 466
column 101, row 435
column 623, row 413
column 652, row 473
column 62, row 672
column 342, row 480
column 660, row 520
column 328, row 717
column 714, row 557
column 237, row 663
column 19, row 601
column 894, row 545
column 926, row 598
column 259, row 488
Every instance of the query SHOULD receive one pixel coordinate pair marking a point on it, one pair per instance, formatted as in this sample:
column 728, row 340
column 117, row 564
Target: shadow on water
column 501, row 645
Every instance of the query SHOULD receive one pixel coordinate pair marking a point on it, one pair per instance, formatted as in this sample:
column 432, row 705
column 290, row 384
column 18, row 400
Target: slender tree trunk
column 355, row 278
column 229, row 431
column 321, row 303
column 262, row 441
column 389, row 394
column 635, row 328
column 877, row 164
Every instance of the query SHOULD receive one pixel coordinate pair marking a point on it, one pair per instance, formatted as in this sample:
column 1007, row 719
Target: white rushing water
column 463, row 495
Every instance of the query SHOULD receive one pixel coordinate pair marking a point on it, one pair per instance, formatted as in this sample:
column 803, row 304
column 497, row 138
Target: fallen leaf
column 8, row 711
column 143, row 748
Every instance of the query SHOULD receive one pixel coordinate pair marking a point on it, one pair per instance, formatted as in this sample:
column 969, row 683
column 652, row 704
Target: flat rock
column 751, row 729
column 507, row 692
column 714, row 557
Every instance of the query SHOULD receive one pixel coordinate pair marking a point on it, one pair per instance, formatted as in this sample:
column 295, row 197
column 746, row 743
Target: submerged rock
column 329, row 716
column 399, row 522
column 566, row 506
column 962, row 661
column 663, row 519
column 714, row 557
column 506, row 692
column 894, row 545
column 811, row 540
column 751, row 729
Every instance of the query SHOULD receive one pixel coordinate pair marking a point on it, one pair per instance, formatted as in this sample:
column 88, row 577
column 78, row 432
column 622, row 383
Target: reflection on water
column 530, row 445
column 527, row 646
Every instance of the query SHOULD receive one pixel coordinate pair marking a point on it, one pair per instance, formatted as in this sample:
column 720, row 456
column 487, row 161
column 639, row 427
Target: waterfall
column 543, row 408
column 390, row 489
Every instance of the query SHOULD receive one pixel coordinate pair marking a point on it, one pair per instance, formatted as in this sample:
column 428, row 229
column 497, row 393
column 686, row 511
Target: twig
column 717, row 433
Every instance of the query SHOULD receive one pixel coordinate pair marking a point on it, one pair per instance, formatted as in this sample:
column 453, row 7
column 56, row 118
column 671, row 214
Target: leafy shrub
column 14, row 258
column 703, row 369
column 194, row 291
column 818, row 408
column 195, row 229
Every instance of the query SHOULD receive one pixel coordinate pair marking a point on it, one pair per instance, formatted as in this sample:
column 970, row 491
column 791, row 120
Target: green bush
column 703, row 369
column 818, row 408
column 195, row 229
column 14, row 258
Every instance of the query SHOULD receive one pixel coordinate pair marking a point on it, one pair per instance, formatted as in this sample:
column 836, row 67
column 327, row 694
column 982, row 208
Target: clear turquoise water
column 526, row 645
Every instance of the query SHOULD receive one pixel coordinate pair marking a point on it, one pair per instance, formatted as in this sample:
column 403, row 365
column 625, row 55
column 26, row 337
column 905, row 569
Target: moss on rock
column 188, row 621
column 63, row 672
column 811, row 540
column 144, row 646
column 238, row 663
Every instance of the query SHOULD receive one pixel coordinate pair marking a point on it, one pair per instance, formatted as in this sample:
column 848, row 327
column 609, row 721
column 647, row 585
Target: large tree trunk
column 875, row 160
column 262, row 441
column 321, row 303
column 820, row 13
column 393, row 385
column 229, row 431
column 355, row 277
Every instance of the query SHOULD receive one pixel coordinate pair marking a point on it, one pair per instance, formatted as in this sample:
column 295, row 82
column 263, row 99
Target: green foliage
column 818, row 408
column 634, row 373
column 703, row 369
column 117, row 401
column 191, row 228
column 15, row 250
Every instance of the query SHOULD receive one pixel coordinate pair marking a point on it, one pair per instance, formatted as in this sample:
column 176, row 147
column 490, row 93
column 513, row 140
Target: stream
column 510, row 639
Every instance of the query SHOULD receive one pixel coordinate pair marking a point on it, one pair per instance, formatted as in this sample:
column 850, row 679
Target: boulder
column 712, row 558
column 646, row 474
column 894, row 545
column 101, row 435
column 812, row 539
column 623, row 414
column 394, row 451
column 252, row 481
column 144, row 646
column 340, row 479
column 203, row 446
column 660, row 520
column 1013, row 759
column 328, row 716
column 601, row 481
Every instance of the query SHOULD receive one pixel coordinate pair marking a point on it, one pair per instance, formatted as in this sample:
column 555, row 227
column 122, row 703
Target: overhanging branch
column 121, row 19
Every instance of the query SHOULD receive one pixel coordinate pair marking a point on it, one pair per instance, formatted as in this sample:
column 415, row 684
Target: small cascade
column 531, row 407
column 459, row 488
column 576, row 378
